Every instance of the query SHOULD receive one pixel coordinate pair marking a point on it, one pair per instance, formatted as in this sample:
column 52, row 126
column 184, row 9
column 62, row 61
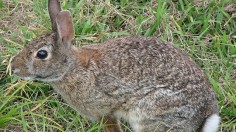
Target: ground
column 206, row 30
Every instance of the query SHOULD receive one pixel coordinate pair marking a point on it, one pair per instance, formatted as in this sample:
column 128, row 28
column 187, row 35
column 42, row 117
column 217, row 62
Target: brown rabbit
column 151, row 84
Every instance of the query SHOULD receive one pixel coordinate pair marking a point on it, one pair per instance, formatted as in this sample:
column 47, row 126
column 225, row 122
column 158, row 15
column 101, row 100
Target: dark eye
column 42, row 54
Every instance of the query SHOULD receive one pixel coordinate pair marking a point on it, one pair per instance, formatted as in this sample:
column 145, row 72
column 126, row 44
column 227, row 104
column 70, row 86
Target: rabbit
column 149, row 83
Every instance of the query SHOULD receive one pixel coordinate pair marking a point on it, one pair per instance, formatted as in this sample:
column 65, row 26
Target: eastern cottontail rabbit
column 151, row 84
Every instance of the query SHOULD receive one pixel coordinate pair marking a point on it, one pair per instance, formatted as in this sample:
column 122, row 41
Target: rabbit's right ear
column 65, row 28
column 54, row 8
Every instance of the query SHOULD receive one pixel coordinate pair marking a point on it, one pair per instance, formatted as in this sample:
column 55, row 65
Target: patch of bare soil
column 231, row 9
column 201, row 3
column 13, row 128
column 15, row 15
column 2, row 48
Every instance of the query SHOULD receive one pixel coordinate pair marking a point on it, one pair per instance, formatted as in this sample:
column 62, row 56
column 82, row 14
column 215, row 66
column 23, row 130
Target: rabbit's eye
column 42, row 54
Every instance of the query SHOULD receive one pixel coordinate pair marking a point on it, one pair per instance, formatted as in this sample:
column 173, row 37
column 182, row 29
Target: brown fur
column 86, row 55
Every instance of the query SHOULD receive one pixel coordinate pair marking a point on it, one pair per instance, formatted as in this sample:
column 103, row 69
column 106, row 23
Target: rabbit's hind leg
column 111, row 124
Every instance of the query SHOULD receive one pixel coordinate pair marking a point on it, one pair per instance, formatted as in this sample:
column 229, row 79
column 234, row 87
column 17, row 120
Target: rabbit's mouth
column 49, row 78
column 46, row 78
column 43, row 77
column 27, row 78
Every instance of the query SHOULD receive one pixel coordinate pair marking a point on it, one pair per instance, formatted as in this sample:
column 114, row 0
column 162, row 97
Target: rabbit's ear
column 65, row 28
column 54, row 8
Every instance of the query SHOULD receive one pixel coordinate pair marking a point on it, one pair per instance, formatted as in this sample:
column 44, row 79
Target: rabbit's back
column 156, row 78
column 149, row 64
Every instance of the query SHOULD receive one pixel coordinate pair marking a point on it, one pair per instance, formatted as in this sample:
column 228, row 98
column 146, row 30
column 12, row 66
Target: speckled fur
column 147, row 82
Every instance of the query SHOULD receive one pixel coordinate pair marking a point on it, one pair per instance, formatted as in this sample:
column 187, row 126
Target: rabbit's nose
column 15, row 70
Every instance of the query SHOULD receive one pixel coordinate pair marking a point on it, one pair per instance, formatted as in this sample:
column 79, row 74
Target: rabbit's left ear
column 54, row 8
column 65, row 28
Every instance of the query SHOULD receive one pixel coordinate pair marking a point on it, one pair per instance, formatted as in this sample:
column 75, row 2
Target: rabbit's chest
column 86, row 100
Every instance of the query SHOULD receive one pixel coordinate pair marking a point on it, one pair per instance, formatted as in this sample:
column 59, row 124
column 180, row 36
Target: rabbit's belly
column 142, row 121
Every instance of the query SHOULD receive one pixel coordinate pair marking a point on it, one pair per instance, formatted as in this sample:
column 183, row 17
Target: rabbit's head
column 48, row 57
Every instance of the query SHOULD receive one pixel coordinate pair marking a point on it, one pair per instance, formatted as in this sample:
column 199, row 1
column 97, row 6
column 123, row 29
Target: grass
column 205, row 31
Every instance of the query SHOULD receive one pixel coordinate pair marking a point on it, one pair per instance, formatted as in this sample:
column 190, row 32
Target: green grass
column 205, row 32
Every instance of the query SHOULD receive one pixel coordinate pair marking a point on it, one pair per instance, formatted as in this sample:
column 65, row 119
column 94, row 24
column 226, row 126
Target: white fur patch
column 133, row 117
column 211, row 124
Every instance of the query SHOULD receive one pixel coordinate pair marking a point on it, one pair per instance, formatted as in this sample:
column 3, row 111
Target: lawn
column 205, row 30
